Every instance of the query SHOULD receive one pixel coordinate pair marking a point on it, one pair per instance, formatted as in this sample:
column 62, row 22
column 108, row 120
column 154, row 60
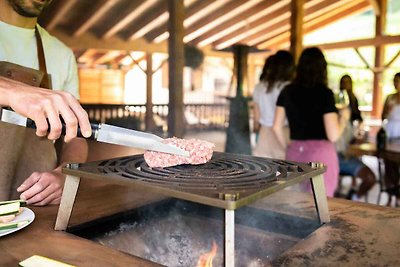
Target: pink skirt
column 316, row 151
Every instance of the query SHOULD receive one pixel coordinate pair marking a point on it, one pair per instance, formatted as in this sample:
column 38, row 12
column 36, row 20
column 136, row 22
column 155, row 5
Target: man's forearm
column 7, row 86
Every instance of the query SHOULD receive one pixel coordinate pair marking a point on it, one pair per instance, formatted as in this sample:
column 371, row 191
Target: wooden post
column 380, row 25
column 296, row 28
column 229, row 238
column 321, row 202
column 175, row 66
column 149, row 92
column 67, row 202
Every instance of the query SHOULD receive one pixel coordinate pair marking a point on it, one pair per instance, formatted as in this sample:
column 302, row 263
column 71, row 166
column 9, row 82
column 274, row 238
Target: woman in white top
column 277, row 72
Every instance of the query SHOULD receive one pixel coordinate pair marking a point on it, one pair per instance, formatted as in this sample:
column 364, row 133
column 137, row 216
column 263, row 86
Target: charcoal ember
column 200, row 152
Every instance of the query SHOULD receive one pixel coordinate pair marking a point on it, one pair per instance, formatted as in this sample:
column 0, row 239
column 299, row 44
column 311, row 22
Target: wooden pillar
column 380, row 26
column 149, row 92
column 175, row 66
column 296, row 28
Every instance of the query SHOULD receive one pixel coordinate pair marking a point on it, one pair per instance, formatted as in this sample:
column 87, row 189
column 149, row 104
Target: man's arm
column 43, row 188
column 42, row 105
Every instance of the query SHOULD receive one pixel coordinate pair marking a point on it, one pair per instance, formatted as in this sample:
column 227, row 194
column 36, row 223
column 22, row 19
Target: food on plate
column 200, row 152
column 7, row 218
column 22, row 203
column 10, row 208
column 11, row 225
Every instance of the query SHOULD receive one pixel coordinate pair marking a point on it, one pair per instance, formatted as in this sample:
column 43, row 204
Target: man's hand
column 43, row 188
column 41, row 105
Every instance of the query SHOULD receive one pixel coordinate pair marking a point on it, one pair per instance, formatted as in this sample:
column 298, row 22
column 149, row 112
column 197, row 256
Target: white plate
column 26, row 214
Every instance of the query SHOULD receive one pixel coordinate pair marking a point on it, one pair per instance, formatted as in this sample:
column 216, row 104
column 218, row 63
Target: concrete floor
column 219, row 139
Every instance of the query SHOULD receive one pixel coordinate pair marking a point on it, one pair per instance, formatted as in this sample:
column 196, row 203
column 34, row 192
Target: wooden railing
column 197, row 116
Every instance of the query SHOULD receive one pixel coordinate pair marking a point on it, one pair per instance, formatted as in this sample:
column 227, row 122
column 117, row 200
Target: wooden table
column 358, row 234
column 94, row 201
column 392, row 151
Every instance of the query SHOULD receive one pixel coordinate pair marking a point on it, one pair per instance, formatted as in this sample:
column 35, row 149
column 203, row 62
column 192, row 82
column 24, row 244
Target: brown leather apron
column 21, row 151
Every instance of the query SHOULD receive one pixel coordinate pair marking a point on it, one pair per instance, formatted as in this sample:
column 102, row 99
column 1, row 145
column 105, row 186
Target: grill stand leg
column 67, row 202
column 321, row 201
column 229, row 238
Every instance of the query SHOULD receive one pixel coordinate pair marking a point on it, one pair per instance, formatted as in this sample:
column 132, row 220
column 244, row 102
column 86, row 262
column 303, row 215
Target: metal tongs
column 109, row 134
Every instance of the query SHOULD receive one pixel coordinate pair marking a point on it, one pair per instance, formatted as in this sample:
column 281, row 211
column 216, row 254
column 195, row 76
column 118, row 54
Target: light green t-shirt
column 18, row 45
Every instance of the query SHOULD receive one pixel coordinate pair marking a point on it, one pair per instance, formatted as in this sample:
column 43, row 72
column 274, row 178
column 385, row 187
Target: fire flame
column 206, row 259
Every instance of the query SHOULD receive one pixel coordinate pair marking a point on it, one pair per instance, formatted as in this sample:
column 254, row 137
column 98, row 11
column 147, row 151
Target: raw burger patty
column 200, row 152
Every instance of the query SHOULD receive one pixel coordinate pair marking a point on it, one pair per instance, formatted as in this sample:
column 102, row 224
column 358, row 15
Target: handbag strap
column 42, row 60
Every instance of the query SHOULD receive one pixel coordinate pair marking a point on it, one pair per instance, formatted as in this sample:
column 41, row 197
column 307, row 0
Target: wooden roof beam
column 87, row 55
column 92, row 61
column 376, row 7
column 227, row 11
column 131, row 12
column 60, row 12
column 316, row 23
column 89, row 40
column 381, row 40
column 283, row 26
column 253, row 27
column 241, row 20
column 153, row 19
column 202, row 5
column 148, row 20
column 108, row 57
column 279, row 19
column 326, row 17
column 78, row 53
column 97, row 12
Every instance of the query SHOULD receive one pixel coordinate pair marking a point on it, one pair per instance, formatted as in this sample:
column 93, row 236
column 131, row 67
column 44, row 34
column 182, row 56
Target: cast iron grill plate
column 230, row 180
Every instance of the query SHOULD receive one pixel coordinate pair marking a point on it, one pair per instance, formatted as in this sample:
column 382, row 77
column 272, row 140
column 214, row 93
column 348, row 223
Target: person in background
column 391, row 114
column 346, row 83
column 348, row 165
column 40, row 170
column 314, row 122
column 277, row 73
column 354, row 167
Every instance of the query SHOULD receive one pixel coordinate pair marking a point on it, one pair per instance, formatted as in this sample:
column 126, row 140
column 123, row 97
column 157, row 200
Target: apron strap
column 42, row 60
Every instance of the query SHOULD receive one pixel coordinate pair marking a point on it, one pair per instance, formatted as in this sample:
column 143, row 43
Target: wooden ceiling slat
column 269, row 25
column 90, row 41
column 235, row 22
column 117, row 60
column 253, row 27
column 352, row 8
column 127, row 15
column 97, row 12
column 156, row 14
column 60, row 11
column 87, row 55
column 190, row 11
column 78, row 53
column 283, row 26
column 108, row 57
column 376, row 41
column 376, row 7
column 92, row 61
column 210, row 20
